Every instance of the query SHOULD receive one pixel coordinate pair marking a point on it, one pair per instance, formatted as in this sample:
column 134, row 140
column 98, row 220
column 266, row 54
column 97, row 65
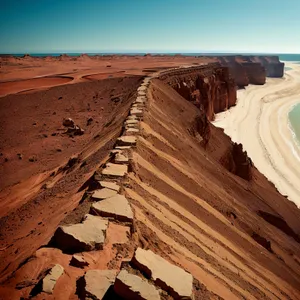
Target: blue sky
column 43, row 26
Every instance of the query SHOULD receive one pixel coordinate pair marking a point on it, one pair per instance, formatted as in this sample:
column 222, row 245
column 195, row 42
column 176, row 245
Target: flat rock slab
column 126, row 141
column 132, row 130
column 115, row 170
column 51, row 278
column 142, row 93
column 131, row 118
column 137, row 112
column 134, row 121
column 121, row 159
column 103, row 193
column 140, row 99
column 97, row 283
column 110, row 185
column 130, row 286
column 142, row 88
column 116, row 207
column 176, row 281
column 85, row 236
column 123, row 147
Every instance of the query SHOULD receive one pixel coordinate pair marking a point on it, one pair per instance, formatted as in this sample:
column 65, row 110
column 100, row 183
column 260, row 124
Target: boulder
column 116, row 207
column 97, row 283
column 49, row 281
column 132, row 287
column 176, row 281
column 115, row 170
column 86, row 236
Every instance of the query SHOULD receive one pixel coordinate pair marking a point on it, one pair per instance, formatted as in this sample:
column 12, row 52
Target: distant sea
column 282, row 57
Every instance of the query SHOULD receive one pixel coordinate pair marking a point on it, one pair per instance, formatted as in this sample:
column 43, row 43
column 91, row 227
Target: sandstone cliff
column 247, row 69
column 210, row 87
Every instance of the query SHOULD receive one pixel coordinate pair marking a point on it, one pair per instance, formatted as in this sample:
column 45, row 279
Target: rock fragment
column 78, row 261
column 115, row 170
column 130, row 286
column 68, row 122
column 136, row 112
column 121, row 159
column 126, row 141
column 110, row 185
column 51, row 278
column 116, row 207
column 86, row 236
column 103, row 193
column 176, row 281
column 97, row 283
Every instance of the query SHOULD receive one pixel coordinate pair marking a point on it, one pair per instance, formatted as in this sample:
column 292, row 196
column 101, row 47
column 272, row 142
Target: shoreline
column 260, row 122
column 295, row 138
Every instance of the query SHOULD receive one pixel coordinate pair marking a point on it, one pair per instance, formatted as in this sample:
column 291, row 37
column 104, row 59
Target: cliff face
column 252, row 69
column 211, row 87
column 256, row 73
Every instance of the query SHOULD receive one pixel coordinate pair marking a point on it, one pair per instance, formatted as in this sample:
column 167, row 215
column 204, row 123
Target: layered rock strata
column 210, row 87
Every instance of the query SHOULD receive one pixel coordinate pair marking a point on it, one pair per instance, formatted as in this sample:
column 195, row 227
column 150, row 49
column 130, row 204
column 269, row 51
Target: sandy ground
column 19, row 75
column 260, row 122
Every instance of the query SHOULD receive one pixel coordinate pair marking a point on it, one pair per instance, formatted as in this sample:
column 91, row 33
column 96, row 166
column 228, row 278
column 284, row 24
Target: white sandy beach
column 259, row 121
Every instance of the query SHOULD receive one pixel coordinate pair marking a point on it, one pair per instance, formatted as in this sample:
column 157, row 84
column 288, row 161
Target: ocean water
column 282, row 56
column 294, row 118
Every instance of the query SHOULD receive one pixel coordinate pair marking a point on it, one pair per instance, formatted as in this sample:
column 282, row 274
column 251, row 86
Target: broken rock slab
column 126, row 141
column 121, row 159
column 78, row 261
column 134, row 121
column 103, row 193
column 132, row 131
column 136, row 112
column 85, row 236
column 133, row 287
column 116, row 207
column 115, row 170
column 176, row 281
column 110, row 185
column 51, row 278
column 97, row 283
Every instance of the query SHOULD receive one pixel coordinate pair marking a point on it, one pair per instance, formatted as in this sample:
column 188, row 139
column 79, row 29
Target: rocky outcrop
column 237, row 162
column 209, row 87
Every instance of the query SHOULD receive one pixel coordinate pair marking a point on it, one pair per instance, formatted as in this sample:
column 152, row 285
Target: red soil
column 35, row 196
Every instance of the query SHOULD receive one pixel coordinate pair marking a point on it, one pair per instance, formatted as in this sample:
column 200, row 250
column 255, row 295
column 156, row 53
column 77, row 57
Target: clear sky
column 45, row 26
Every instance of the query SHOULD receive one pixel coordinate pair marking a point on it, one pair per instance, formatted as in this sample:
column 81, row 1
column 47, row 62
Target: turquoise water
column 282, row 56
column 294, row 117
